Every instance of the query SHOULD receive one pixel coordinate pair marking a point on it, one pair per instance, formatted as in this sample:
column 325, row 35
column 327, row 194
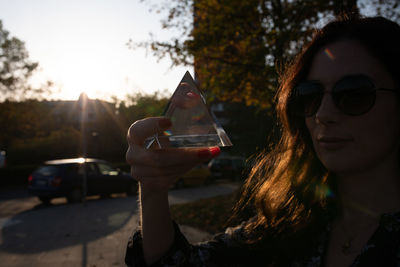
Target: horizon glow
column 81, row 46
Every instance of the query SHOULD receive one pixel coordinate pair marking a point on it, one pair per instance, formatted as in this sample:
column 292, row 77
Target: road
column 92, row 234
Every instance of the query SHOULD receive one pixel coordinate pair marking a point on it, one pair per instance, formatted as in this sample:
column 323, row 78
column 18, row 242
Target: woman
column 329, row 193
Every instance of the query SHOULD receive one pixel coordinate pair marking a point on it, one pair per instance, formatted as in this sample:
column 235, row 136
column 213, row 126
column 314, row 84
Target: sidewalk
column 95, row 235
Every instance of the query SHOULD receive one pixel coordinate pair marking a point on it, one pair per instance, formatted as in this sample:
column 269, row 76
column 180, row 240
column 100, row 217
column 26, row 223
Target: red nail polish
column 209, row 152
column 215, row 151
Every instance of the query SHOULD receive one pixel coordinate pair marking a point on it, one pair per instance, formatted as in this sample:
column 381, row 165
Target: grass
column 210, row 215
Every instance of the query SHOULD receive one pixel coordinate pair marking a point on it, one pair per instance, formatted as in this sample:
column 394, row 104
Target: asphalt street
column 91, row 234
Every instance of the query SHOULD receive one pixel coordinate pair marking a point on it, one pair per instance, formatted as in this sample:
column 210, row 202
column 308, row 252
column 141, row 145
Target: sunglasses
column 353, row 95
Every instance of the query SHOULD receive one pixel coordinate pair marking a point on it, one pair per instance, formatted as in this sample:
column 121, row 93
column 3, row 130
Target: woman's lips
column 332, row 142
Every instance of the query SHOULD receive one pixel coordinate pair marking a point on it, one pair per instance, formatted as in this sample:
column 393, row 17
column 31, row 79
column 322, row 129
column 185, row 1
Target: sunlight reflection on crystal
column 192, row 123
column 329, row 54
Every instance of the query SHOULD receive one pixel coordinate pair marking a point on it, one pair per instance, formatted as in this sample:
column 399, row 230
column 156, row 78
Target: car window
column 74, row 169
column 106, row 169
column 47, row 170
column 91, row 169
column 81, row 169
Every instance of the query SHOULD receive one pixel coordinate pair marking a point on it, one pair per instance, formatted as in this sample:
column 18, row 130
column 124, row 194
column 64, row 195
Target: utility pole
column 83, row 99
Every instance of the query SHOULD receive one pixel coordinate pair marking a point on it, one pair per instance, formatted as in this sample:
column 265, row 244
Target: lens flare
column 325, row 191
column 167, row 133
column 329, row 54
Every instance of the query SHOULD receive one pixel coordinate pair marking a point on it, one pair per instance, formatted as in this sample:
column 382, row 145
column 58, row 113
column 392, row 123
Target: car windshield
column 107, row 169
column 74, row 169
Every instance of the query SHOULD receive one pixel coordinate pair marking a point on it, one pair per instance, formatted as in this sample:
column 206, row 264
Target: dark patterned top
column 228, row 249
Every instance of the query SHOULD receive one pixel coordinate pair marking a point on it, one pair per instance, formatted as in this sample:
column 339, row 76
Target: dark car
column 227, row 167
column 66, row 178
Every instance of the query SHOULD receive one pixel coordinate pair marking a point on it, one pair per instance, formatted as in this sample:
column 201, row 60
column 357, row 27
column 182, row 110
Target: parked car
column 228, row 167
column 65, row 178
column 199, row 175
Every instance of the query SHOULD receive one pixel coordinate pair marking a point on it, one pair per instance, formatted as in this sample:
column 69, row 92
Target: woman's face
column 353, row 144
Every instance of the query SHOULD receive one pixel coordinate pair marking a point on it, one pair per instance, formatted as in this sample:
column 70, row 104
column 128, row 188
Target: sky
column 80, row 46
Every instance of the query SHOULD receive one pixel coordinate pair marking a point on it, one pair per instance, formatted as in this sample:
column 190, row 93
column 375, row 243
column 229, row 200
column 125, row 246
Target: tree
column 386, row 8
column 239, row 47
column 35, row 131
column 138, row 106
column 21, row 120
column 15, row 66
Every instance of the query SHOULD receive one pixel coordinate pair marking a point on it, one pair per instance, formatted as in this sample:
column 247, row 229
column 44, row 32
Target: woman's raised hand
column 157, row 169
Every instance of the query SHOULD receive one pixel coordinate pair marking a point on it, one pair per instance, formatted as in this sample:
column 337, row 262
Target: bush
column 62, row 143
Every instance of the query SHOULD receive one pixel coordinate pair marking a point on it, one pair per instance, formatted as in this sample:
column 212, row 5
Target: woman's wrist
column 152, row 190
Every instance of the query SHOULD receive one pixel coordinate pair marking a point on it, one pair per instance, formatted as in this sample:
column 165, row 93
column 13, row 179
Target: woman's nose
column 327, row 112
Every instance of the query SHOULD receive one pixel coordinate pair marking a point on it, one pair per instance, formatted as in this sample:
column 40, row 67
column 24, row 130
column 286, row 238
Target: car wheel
column 132, row 189
column 75, row 195
column 45, row 200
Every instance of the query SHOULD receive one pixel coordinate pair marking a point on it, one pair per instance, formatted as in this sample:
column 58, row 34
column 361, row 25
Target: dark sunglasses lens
column 354, row 95
column 307, row 98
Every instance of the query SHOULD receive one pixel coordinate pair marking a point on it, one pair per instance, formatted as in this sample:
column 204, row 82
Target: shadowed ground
column 90, row 234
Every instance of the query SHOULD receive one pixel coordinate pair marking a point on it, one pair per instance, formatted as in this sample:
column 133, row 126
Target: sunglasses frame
column 295, row 96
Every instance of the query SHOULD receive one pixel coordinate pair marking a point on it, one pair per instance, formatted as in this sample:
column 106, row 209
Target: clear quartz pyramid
column 192, row 123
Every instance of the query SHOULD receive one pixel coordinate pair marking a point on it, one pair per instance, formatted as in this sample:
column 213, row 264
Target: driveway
column 91, row 234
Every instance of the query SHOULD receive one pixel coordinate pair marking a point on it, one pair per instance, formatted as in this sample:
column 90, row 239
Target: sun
column 81, row 79
column 93, row 73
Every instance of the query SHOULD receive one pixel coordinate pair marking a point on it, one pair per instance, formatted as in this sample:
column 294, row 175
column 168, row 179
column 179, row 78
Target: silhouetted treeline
column 34, row 131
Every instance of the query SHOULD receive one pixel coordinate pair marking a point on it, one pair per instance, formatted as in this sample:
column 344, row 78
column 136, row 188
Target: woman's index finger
column 142, row 129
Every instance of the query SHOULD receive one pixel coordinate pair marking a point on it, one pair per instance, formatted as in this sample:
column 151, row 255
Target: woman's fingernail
column 215, row 151
column 164, row 123
column 209, row 153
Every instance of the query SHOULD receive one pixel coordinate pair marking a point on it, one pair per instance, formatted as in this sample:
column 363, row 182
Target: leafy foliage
column 61, row 143
column 40, row 130
column 15, row 66
column 239, row 48
column 139, row 106
column 386, row 8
